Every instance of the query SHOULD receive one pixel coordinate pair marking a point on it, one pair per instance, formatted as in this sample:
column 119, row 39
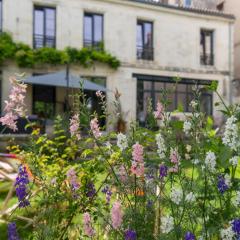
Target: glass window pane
column 39, row 22
column 50, row 22
column 182, row 88
column 148, row 34
column 88, row 29
column 208, row 44
column 206, row 103
column 159, row 86
column 147, row 85
column 98, row 28
column 139, row 35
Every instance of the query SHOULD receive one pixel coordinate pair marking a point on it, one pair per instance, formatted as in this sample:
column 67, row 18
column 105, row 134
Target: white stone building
column 154, row 41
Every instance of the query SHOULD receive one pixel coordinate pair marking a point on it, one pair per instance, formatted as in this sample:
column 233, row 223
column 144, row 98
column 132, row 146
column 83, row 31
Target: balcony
column 40, row 41
column 207, row 59
column 145, row 53
column 96, row 45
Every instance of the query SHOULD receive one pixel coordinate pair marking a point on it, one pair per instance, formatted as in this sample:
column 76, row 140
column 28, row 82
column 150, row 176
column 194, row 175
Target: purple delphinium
column 21, row 186
column 189, row 236
column 130, row 235
column 163, row 171
column 91, row 191
column 236, row 226
column 149, row 203
column 12, row 231
column 222, row 186
column 108, row 193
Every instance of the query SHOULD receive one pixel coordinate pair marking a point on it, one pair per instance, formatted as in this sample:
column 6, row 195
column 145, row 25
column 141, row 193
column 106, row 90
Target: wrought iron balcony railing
column 145, row 53
column 207, row 59
column 44, row 41
column 97, row 45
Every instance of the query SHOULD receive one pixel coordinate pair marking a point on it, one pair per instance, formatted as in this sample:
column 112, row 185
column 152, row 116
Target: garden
column 168, row 180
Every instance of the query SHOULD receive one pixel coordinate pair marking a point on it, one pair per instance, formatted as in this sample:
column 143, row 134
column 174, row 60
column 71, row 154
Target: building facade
column 154, row 42
column 233, row 7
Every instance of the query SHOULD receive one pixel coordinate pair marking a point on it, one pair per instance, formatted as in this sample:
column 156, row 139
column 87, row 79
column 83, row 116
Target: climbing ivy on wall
column 28, row 57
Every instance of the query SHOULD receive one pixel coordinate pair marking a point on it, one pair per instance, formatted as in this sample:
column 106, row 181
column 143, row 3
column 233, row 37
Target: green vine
column 28, row 57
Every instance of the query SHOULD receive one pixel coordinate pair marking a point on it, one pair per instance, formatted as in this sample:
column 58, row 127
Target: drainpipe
column 230, row 63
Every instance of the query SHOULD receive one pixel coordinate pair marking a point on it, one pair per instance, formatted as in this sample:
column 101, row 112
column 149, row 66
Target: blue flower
column 91, row 191
column 163, row 171
column 108, row 193
column 12, row 232
column 189, row 236
column 236, row 226
column 130, row 235
column 222, row 186
column 21, row 186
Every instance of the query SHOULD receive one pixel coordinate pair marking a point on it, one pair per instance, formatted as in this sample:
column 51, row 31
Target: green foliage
column 157, row 203
column 27, row 57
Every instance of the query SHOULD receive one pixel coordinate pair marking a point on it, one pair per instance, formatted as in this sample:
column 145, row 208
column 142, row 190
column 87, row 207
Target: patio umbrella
column 63, row 79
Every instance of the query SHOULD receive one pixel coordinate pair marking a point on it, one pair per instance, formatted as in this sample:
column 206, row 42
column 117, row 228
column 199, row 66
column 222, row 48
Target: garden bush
column 170, row 180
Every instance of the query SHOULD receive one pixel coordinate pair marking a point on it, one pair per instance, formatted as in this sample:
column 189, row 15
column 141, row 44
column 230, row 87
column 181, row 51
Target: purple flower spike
column 21, row 187
column 236, row 226
column 222, row 186
column 163, row 171
column 91, row 191
column 12, row 231
column 108, row 193
column 130, row 235
column 189, row 236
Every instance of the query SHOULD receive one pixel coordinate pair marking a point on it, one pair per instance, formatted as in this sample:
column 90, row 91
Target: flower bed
column 179, row 182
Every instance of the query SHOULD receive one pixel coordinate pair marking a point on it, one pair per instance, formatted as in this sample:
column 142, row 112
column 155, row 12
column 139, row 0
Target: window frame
column 167, row 80
column 93, row 44
column 44, row 8
column 204, row 61
column 149, row 50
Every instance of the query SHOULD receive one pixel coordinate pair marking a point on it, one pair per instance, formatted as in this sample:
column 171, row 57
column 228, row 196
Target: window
column 144, row 40
column 1, row 15
column 44, row 101
column 187, row 3
column 151, row 88
column 44, row 27
column 207, row 48
column 93, row 30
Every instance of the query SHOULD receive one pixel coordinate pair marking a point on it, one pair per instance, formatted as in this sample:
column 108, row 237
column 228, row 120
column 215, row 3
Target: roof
column 59, row 79
column 187, row 9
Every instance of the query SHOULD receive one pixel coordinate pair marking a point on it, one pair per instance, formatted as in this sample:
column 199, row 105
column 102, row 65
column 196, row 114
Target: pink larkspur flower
column 87, row 225
column 174, row 156
column 159, row 113
column 95, row 128
column 173, row 169
column 9, row 119
column 116, row 215
column 137, row 163
column 74, row 126
column 15, row 106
